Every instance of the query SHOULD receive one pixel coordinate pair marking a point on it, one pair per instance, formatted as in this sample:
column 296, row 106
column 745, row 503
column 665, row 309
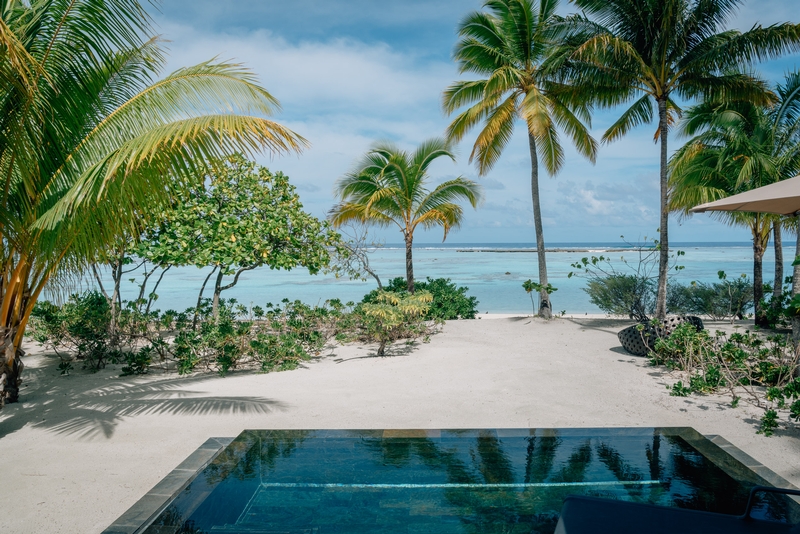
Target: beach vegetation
column 392, row 316
column 514, row 47
column 449, row 300
column 737, row 146
column 760, row 369
column 92, row 142
column 240, row 217
column 630, row 289
column 660, row 53
column 389, row 187
column 532, row 288
column 729, row 298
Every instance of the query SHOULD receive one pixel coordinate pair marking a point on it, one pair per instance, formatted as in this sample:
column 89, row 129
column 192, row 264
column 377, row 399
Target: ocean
column 494, row 273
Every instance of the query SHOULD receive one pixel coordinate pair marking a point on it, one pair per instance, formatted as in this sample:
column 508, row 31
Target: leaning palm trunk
column 545, row 308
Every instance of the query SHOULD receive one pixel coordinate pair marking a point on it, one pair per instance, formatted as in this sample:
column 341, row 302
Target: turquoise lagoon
column 493, row 272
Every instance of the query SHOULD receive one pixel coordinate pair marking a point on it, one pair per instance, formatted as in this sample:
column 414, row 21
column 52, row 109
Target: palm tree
column 91, row 142
column 389, row 187
column 739, row 146
column 509, row 48
column 657, row 50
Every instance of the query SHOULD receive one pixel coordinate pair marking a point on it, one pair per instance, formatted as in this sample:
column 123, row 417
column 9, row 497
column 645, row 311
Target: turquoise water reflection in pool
column 450, row 481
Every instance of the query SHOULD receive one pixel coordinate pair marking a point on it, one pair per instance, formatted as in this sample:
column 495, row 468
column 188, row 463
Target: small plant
column 138, row 362
column 679, row 390
column 449, row 301
column 393, row 316
column 65, row 366
column 532, row 287
column 769, row 423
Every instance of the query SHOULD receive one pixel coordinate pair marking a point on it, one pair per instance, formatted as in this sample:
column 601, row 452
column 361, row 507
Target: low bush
column 81, row 328
column 762, row 370
column 273, row 337
column 623, row 294
column 720, row 300
column 449, row 300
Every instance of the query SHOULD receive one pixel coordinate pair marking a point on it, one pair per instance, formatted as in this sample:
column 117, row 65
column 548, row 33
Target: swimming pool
column 450, row 481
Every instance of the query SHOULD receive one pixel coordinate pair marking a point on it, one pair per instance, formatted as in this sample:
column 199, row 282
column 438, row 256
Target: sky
column 349, row 73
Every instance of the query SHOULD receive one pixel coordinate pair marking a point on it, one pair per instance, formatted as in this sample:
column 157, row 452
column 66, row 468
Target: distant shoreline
column 549, row 249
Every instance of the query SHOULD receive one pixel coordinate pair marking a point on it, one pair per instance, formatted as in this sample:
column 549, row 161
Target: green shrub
column 80, row 327
column 449, row 300
column 720, row 300
column 623, row 294
column 758, row 368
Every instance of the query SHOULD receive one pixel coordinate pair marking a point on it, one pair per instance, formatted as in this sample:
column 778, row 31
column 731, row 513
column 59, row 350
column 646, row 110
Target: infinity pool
column 450, row 481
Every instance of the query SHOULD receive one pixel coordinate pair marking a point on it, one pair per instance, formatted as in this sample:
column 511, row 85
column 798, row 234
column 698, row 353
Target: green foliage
column 679, row 390
column 241, row 217
column 273, row 337
column 769, row 423
column 631, row 292
column 389, row 186
column 720, row 300
column 138, row 362
column 80, row 327
column 530, row 287
column 760, row 369
column 395, row 315
column 449, row 300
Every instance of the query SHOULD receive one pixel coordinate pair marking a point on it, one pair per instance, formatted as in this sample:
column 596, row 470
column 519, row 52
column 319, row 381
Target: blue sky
column 351, row 72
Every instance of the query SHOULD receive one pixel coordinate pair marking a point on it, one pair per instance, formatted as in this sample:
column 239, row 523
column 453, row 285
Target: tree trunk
column 11, row 367
column 796, row 287
column 663, row 230
column 545, row 307
column 760, row 242
column 409, row 238
column 777, row 245
column 217, row 291
column 116, row 300
column 200, row 297
column 150, row 297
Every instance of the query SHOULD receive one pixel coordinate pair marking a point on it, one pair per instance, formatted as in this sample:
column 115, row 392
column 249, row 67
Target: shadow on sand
column 73, row 406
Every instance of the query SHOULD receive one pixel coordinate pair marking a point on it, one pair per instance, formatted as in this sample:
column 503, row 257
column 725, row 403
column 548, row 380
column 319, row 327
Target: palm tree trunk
column 796, row 288
column 545, row 307
column 761, row 231
column 663, row 230
column 409, row 238
column 777, row 245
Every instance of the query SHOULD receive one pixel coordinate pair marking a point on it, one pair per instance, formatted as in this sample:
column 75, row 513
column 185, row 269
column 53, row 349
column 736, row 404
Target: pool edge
column 152, row 503
column 139, row 516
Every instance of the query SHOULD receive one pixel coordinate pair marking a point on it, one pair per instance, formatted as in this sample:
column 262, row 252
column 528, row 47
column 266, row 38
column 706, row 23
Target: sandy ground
column 80, row 450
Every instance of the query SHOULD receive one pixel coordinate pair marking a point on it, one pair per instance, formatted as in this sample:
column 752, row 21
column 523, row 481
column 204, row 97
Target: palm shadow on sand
column 64, row 405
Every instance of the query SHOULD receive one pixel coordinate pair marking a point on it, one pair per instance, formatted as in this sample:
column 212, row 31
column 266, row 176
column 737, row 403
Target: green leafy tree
column 510, row 47
column 388, row 187
column 738, row 146
column 655, row 51
column 92, row 142
column 393, row 315
column 241, row 218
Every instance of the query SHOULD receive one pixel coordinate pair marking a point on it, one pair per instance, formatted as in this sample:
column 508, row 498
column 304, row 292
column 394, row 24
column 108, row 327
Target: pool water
column 451, row 481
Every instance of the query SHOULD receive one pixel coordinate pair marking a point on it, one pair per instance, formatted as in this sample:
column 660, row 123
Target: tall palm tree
column 658, row 50
column 388, row 187
column 739, row 146
column 91, row 141
column 508, row 47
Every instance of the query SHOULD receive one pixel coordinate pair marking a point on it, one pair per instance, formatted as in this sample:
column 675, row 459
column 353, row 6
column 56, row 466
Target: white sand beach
column 81, row 449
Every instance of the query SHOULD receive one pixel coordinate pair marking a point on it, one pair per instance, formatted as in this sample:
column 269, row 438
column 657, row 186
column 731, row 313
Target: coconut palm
column 508, row 47
column 739, row 146
column 655, row 51
column 91, row 142
column 389, row 187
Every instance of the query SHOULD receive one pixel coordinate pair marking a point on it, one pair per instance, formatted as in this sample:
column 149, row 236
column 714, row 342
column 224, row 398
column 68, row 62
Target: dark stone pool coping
column 720, row 451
